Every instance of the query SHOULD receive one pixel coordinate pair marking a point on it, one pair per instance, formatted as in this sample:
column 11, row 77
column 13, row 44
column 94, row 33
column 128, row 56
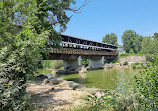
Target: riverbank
column 52, row 94
column 127, row 62
column 57, row 96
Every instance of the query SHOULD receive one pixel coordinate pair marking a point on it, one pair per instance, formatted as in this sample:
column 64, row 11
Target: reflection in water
column 53, row 73
column 113, row 79
column 83, row 78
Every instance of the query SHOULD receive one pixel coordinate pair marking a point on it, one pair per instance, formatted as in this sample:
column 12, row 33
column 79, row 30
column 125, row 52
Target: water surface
column 114, row 79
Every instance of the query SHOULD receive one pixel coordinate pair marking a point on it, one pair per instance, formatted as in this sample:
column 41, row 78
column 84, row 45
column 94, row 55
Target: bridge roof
column 88, row 40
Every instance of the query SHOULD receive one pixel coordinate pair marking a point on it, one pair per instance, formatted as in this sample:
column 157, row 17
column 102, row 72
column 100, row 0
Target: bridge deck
column 82, row 52
column 73, row 47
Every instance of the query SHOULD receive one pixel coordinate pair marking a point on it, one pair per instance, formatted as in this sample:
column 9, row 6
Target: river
column 112, row 79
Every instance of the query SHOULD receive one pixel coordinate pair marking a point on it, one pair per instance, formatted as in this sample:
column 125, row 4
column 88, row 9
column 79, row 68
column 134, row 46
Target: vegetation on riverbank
column 52, row 64
column 142, row 97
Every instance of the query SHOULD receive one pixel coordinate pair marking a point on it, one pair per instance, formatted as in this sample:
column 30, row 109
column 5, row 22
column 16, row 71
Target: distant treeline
column 134, row 42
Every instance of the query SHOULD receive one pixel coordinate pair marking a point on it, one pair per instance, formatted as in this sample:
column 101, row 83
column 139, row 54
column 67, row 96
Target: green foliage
column 25, row 28
column 85, row 62
column 110, row 39
column 131, row 40
column 82, row 108
column 118, row 61
column 136, row 65
column 99, row 103
column 114, row 101
column 12, row 99
column 149, row 45
column 131, row 52
column 155, row 36
column 52, row 64
column 149, row 57
column 125, row 63
column 142, row 98
column 147, row 85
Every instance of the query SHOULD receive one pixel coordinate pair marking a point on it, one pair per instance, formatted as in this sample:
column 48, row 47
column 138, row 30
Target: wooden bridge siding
column 74, row 53
column 82, row 52
column 53, row 56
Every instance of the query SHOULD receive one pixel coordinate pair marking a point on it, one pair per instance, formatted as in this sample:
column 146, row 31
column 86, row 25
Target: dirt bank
column 56, row 97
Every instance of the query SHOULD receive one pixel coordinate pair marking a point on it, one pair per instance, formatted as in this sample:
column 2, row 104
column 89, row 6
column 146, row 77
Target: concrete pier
column 72, row 63
column 96, row 62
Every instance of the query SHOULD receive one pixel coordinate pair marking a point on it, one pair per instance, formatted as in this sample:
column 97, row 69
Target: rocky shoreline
column 56, row 94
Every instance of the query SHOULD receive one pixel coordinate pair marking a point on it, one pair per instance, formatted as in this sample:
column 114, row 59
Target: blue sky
column 100, row 17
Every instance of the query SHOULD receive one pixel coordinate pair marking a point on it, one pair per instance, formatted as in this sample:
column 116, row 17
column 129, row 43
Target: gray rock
column 78, row 86
column 49, row 75
column 41, row 77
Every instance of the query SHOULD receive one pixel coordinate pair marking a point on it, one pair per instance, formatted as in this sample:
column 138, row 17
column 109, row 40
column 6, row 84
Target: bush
column 114, row 101
column 125, row 63
column 85, row 62
column 149, row 57
column 12, row 96
column 147, row 85
column 133, row 65
column 136, row 65
column 52, row 64
column 141, row 98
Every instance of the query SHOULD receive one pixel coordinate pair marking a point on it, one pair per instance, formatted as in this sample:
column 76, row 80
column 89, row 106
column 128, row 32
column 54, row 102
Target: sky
column 101, row 17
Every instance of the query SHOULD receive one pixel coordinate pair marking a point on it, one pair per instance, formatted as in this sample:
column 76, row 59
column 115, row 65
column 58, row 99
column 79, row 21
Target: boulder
column 41, row 77
column 49, row 76
column 78, row 86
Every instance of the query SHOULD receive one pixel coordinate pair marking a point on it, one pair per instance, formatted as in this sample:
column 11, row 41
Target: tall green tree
column 110, row 39
column 147, row 45
column 155, row 36
column 25, row 28
column 131, row 41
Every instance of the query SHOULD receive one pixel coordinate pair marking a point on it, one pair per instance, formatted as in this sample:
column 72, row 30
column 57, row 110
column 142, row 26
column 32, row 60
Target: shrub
column 114, row 101
column 149, row 57
column 85, row 62
column 133, row 65
column 147, row 85
column 125, row 63
column 53, row 64
column 136, row 65
column 141, row 98
column 12, row 96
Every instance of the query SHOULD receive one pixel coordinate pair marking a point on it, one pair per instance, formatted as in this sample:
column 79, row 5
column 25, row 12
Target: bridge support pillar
column 72, row 63
column 96, row 62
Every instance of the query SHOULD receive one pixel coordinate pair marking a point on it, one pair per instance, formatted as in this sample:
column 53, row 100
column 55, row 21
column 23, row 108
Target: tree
column 149, row 45
column 155, row 36
column 20, row 51
column 146, row 45
column 131, row 40
column 110, row 39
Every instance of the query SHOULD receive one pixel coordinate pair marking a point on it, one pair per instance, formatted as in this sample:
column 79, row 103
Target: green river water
column 113, row 79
